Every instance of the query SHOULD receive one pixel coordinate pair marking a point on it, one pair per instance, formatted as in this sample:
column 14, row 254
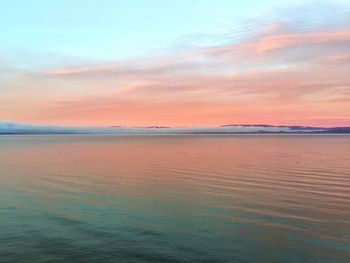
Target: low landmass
column 7, row 127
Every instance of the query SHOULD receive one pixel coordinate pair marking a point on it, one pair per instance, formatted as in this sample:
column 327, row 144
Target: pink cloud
column 282, row 41
column 275, row 76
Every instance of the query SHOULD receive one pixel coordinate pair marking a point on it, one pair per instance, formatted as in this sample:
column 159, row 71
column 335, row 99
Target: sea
column 175, row 198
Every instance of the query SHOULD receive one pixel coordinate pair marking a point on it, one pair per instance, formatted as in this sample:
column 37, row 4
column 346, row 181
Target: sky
column 175, row 63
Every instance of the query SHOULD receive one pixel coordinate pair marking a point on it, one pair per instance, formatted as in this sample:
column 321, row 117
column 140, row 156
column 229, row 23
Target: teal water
column 175, row 198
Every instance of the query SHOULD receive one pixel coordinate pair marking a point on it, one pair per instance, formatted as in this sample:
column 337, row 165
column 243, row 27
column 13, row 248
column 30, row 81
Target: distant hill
column 7, row 127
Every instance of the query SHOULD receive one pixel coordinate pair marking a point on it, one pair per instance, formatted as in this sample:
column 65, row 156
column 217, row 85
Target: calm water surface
column 175, row 199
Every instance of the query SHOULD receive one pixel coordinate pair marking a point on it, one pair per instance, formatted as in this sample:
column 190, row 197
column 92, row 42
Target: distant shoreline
column 13, row 128
column 165, row 134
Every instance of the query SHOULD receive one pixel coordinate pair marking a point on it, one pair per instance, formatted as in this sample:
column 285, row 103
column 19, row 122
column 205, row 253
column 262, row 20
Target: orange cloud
column 274, row 76
column 275, row 42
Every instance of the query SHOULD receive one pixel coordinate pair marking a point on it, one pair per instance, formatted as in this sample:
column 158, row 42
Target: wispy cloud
column 284, row 71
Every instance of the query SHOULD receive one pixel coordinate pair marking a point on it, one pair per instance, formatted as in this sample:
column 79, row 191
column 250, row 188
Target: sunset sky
column 175, row 63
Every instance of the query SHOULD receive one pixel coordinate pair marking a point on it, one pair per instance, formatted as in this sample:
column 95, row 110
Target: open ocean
column 175, row 198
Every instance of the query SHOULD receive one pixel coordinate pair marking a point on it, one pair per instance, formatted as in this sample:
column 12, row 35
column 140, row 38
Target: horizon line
column 156, row 126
